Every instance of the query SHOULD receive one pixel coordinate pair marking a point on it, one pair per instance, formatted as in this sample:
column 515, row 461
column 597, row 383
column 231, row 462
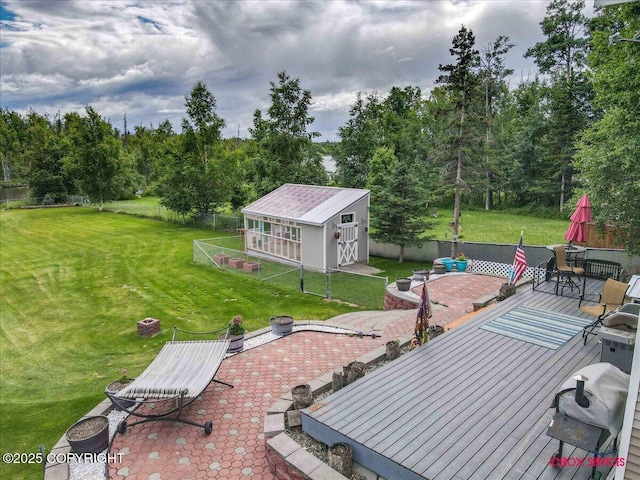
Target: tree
column 287, row 153
column 12, row 142
column 394, row 190
column 492, row 74
column 197, row 179
column 95, row 161
column 607, row 153
column 202, row 119
column 562, row 55
column 359, row 139
column 45, row 148
column 461, row 81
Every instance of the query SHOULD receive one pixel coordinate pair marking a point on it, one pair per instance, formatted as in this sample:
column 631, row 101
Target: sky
column 141, row 58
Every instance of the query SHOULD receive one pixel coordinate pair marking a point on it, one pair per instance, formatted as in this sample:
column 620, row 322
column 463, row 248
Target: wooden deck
column 470, row 404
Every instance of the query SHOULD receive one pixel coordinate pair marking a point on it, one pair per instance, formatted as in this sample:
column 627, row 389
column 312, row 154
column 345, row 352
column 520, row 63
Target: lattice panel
column 502, row 269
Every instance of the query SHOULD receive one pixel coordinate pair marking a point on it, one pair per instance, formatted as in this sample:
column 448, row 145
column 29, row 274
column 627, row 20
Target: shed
column 316, row 226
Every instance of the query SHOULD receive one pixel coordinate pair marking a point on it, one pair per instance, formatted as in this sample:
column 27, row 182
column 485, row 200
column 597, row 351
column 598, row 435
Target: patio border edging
column 60, row 471
column 287, row 456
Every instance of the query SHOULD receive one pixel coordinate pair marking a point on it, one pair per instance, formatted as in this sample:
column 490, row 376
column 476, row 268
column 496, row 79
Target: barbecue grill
column 589, row 410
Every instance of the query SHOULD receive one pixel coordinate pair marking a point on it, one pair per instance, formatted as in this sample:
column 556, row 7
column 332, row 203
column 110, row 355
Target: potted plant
column 114, row 387
column 235, row 334
column 461, row 262
column 89, row 435
column 447, row 262
column 282, row 325
column 336, row 235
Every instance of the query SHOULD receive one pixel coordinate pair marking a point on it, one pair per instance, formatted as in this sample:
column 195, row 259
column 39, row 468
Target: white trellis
column 503, row 269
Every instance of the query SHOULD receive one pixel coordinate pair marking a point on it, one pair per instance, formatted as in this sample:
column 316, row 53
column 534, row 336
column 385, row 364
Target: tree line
column 571, row 128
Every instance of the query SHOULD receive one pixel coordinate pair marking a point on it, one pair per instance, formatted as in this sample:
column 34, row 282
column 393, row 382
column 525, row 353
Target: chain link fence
column 228, row 255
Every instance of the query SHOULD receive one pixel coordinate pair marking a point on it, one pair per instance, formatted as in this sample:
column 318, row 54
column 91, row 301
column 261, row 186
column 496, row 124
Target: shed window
column 347, row 217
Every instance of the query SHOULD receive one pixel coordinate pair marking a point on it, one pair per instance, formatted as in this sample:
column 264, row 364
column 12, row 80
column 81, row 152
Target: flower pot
column 302, row 396
column 461, row 265
column 403, row 284
column 439, row 269
column 237, row 342
column 89, row 435
column 340, row 459
column 393, row 350
column 448, row 263
column 119, row 403
column 282, row 325
column 421, row 275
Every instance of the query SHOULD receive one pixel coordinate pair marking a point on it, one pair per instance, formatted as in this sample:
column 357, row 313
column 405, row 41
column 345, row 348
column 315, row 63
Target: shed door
column 347, row 244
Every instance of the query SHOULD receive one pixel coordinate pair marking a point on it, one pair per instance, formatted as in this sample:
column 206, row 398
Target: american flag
column 519, row 264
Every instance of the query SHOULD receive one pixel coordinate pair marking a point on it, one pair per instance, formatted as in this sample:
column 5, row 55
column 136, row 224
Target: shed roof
column 309, row 204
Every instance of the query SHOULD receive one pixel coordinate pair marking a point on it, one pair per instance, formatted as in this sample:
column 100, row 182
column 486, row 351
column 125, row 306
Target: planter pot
column 403, row 284
column 237, row 342
column 302, row 396
column 421, row 275
column 340, row 459
column 393, row 350
column 448, row 263
column 461, row 265
column 439, row 269
column 120, row 403
column 434, row 331
column 282, row 325
column 89, row 435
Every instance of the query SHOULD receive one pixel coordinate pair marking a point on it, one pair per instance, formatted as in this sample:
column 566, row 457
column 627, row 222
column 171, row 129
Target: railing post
column 302, row 278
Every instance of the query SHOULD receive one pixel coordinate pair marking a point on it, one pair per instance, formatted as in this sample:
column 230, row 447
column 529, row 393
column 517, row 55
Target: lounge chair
column 180, row 373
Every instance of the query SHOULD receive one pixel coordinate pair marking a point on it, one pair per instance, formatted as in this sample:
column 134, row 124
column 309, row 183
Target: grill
column 589, row 410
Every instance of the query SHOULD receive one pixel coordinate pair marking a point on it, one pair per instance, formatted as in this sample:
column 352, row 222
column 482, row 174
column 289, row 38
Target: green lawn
column 75, row 282
column 475, row 225
column 499, row 227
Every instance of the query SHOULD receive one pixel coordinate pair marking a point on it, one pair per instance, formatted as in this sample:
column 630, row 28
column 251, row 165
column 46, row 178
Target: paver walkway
column 235, row 449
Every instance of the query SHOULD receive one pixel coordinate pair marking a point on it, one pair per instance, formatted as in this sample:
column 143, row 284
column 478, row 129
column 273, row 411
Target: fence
column 228, row 254
column 42, row 201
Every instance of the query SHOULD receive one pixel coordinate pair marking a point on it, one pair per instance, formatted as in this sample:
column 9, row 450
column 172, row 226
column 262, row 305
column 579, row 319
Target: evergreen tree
column 461, row 82
column 562, row 56
column 394, row 190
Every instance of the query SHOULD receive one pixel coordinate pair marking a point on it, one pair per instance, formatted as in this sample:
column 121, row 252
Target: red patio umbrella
column 580, row 216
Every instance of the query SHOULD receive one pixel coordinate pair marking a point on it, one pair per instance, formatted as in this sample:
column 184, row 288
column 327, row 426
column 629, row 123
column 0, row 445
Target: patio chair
column 611, row 298
column 566, row 273
column 179, row 374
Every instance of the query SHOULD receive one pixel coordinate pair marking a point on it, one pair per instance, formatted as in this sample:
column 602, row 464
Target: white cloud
column 142, row 57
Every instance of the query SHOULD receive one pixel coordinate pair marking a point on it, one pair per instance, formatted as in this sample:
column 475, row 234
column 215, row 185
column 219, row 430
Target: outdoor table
column 573, row 252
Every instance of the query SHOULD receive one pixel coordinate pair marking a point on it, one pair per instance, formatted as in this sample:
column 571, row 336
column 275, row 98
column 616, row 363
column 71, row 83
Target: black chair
column 565, row 273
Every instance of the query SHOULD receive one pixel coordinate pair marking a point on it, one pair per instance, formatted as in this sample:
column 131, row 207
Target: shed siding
column 312, row 247
column 632, row 471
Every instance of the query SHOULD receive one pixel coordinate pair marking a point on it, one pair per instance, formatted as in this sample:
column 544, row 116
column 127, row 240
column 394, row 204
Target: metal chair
column 566, row 272
column 611, row 298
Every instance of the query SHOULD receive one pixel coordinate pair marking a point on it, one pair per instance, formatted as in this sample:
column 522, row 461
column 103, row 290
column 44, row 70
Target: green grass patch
column 499, row 227
column 75, row 282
